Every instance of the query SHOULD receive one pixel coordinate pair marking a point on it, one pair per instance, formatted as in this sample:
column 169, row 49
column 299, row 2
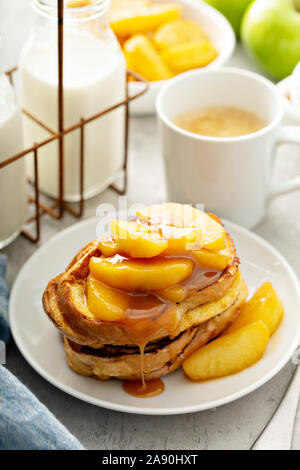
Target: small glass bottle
column 94, row 79
column 13, row 193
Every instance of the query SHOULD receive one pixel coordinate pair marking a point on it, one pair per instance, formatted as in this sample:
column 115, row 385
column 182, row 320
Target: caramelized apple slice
column 108, row 246
column 189, row 55
column 176, row 32
column 173, row 293
column 228, row 354
column 134, row 275
column 144, row 19
column 183, row 215
column 211, row 259
column 105, row 303
column 181, row 240
column 168, row 213
column 137, row 240
column 79, row 3
column 146, row 241
column 214, row 234
column 143, row 59
column 264, row 305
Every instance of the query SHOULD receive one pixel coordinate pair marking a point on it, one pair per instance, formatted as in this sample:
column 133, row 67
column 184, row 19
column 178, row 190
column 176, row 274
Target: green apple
column 271, row 33
column 232, row 9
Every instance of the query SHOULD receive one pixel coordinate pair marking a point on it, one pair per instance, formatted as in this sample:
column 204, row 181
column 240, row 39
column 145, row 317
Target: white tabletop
column 233, row 426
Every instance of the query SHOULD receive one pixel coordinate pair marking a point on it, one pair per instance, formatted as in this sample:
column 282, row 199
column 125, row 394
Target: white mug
column 229, row 176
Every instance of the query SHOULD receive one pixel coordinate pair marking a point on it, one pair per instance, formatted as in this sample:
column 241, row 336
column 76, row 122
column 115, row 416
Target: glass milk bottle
column 13, row 196
column 94, row 79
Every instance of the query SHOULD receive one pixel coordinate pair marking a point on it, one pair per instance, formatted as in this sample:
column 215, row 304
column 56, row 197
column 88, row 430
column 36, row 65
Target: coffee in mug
column 220, row 121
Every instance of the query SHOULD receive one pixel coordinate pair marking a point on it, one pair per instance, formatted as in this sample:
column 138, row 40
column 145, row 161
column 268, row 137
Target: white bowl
column 217, row 28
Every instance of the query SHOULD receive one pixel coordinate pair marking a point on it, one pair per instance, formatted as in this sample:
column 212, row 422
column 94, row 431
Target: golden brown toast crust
column 64, row 301
column 157, row 363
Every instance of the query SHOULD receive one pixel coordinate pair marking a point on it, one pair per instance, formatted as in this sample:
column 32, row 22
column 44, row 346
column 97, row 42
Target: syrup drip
column 148, row 389
column 142, row 352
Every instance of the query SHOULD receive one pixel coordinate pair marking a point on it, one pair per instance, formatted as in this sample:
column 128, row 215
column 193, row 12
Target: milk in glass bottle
column 13, row 196
column 94, row 79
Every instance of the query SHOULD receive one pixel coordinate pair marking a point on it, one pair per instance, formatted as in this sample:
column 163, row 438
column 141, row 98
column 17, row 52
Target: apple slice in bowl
column 219, row 32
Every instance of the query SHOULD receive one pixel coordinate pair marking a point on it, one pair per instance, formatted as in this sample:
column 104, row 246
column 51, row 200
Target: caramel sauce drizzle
column 148, row 314
column 149, row 389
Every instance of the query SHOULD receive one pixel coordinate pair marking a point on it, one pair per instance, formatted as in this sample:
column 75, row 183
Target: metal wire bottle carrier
column 59, row 205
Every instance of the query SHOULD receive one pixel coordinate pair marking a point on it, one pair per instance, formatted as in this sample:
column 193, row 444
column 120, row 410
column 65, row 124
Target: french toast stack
column 135, row 304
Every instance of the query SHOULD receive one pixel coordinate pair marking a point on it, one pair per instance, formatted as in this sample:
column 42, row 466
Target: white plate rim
column 153, row 411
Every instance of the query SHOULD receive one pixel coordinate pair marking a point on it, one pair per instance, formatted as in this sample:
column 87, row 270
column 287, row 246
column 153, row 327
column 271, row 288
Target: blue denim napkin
column 25, row 423
column 4, row 294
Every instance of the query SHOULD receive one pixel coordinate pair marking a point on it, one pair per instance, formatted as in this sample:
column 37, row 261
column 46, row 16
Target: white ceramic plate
column 40, row 343
column 217, row 28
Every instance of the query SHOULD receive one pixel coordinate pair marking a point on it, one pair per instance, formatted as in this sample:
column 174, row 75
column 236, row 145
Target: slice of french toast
column 159, row 358
column 65, row 303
